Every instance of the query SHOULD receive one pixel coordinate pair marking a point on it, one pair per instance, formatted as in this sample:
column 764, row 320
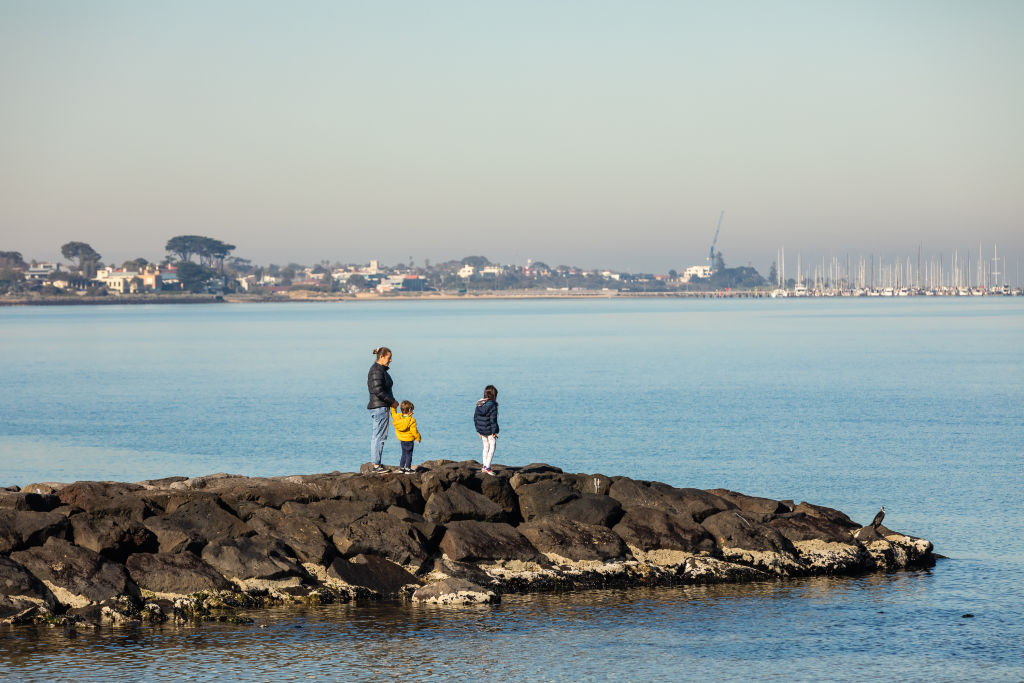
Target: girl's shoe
column 489, row 471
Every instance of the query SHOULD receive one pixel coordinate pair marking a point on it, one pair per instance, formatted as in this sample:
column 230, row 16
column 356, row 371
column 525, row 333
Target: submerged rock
column 203, row 547
column 455, row 592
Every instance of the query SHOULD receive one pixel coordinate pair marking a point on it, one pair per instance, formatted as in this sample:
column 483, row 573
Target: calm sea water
column 917, row 404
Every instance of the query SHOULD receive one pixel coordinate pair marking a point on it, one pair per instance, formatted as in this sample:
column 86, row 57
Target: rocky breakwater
column 203, row 548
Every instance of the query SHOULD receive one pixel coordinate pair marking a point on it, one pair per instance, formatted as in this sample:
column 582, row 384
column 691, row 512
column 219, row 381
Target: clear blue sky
column 599, row 134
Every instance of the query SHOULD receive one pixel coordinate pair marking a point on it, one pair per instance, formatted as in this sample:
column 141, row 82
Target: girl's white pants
column 488, row 454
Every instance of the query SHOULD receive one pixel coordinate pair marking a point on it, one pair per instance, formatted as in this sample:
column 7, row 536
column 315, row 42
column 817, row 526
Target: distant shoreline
column 306, row 296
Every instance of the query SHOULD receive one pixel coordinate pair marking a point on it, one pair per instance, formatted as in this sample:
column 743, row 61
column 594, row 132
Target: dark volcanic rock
column 268, row 492
column 468, row 540
column 501, row 492
column 760, row 506
column 301, row 534
column 115, row 538
column 380, row 533
column 443, row 476
column 22, row 500
column 372, row 572
column 540, row 498
column 694, row 503
column 16, row 581
column 596, row 484
column 166, row 501
column 334, row 514
column 592, row 508
column 194, row 524
column 539, row 468
column 573, row 540
column 253, row 557
column 834, row 516
column 107, row 498
column 431, row 532
column 176, row 573
column 23, row 528
column 382, row 490
column 799, row 526
column 458, row 502
column 652, row 529
column 82, row 575
column 747, row 531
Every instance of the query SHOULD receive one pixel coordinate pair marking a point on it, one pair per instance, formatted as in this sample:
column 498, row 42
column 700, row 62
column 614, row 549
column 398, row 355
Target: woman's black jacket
column 379, row 382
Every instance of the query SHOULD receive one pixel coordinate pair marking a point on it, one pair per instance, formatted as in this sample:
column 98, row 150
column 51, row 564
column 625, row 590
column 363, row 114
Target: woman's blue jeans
column 380, row 433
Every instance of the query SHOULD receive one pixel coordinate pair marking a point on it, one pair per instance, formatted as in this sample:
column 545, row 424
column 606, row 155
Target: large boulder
column 107, row 498
column 382, row 490
column 647, row 529
column 470, row 540
column 747, row 531
column 446, row 473
column 693, row 503
column 166, row 501
column 745, row 538
column 175, row 573
column 323, row 486
column 266, row 492
column 371, row 572
column 253, row 557
column 591, row 508
column 540, row 498
column 380, row 533
column 18, row 582
column 194, row 524
column 458, row 502
column 115, row 538
column 800, row 526
column 23, row 528
column 301, row 534
column 432, row 532
column 826, row 513
column 24, row 500
column 77, row 576
column 572, row 540
column 333, row 514
column 753, row 504
column 501, row 492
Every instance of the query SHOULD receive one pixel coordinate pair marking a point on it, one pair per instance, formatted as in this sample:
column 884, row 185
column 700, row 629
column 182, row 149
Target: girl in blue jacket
column 485, row 419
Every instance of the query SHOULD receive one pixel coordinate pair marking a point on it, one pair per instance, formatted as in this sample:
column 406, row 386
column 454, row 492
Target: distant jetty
column 181, row 549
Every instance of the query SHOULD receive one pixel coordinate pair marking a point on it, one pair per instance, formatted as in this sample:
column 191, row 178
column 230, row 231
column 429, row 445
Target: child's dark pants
column 406, row 454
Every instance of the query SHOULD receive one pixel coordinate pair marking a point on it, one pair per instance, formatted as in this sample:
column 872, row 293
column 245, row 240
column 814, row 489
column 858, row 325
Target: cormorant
column 878, row 518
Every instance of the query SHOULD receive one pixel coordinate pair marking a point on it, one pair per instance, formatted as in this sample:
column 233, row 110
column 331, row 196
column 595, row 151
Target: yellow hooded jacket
column 405, row 426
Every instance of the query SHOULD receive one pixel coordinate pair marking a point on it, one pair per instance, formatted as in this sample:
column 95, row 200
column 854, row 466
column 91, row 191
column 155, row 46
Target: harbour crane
column 711, row 257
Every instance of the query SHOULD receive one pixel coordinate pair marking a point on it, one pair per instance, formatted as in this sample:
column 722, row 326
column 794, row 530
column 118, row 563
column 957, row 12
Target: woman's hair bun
column 374, row 352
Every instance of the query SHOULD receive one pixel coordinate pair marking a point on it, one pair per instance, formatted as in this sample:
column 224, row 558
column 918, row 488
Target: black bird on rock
column 878, row 518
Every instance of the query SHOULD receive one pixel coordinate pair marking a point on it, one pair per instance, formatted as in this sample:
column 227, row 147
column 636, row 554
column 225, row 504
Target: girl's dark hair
column 490, row 392
column 381, row 351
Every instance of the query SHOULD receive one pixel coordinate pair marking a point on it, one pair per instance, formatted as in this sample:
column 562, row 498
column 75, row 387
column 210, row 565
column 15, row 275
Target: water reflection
column 822, row 627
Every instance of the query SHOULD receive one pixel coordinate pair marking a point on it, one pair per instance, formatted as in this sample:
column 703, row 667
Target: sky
column 598, row 134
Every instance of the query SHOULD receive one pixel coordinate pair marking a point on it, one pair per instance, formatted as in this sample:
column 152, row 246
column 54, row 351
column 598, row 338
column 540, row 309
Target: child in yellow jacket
column 405, row 430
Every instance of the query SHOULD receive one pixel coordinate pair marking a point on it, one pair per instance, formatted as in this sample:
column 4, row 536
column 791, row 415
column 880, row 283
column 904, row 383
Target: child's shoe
column 489, row 471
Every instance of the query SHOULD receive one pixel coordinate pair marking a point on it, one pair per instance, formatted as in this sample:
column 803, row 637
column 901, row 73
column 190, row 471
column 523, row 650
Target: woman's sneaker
column 489, row 471
column 379, row 468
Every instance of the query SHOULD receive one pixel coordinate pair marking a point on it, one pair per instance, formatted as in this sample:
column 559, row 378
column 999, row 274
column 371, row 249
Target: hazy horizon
column 599, row 136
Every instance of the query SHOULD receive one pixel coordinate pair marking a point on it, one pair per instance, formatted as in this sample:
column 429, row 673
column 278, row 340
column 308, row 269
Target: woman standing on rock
column 379, row 383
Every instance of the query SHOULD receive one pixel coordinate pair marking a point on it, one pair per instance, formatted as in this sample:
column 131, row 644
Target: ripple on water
column 905, row 625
